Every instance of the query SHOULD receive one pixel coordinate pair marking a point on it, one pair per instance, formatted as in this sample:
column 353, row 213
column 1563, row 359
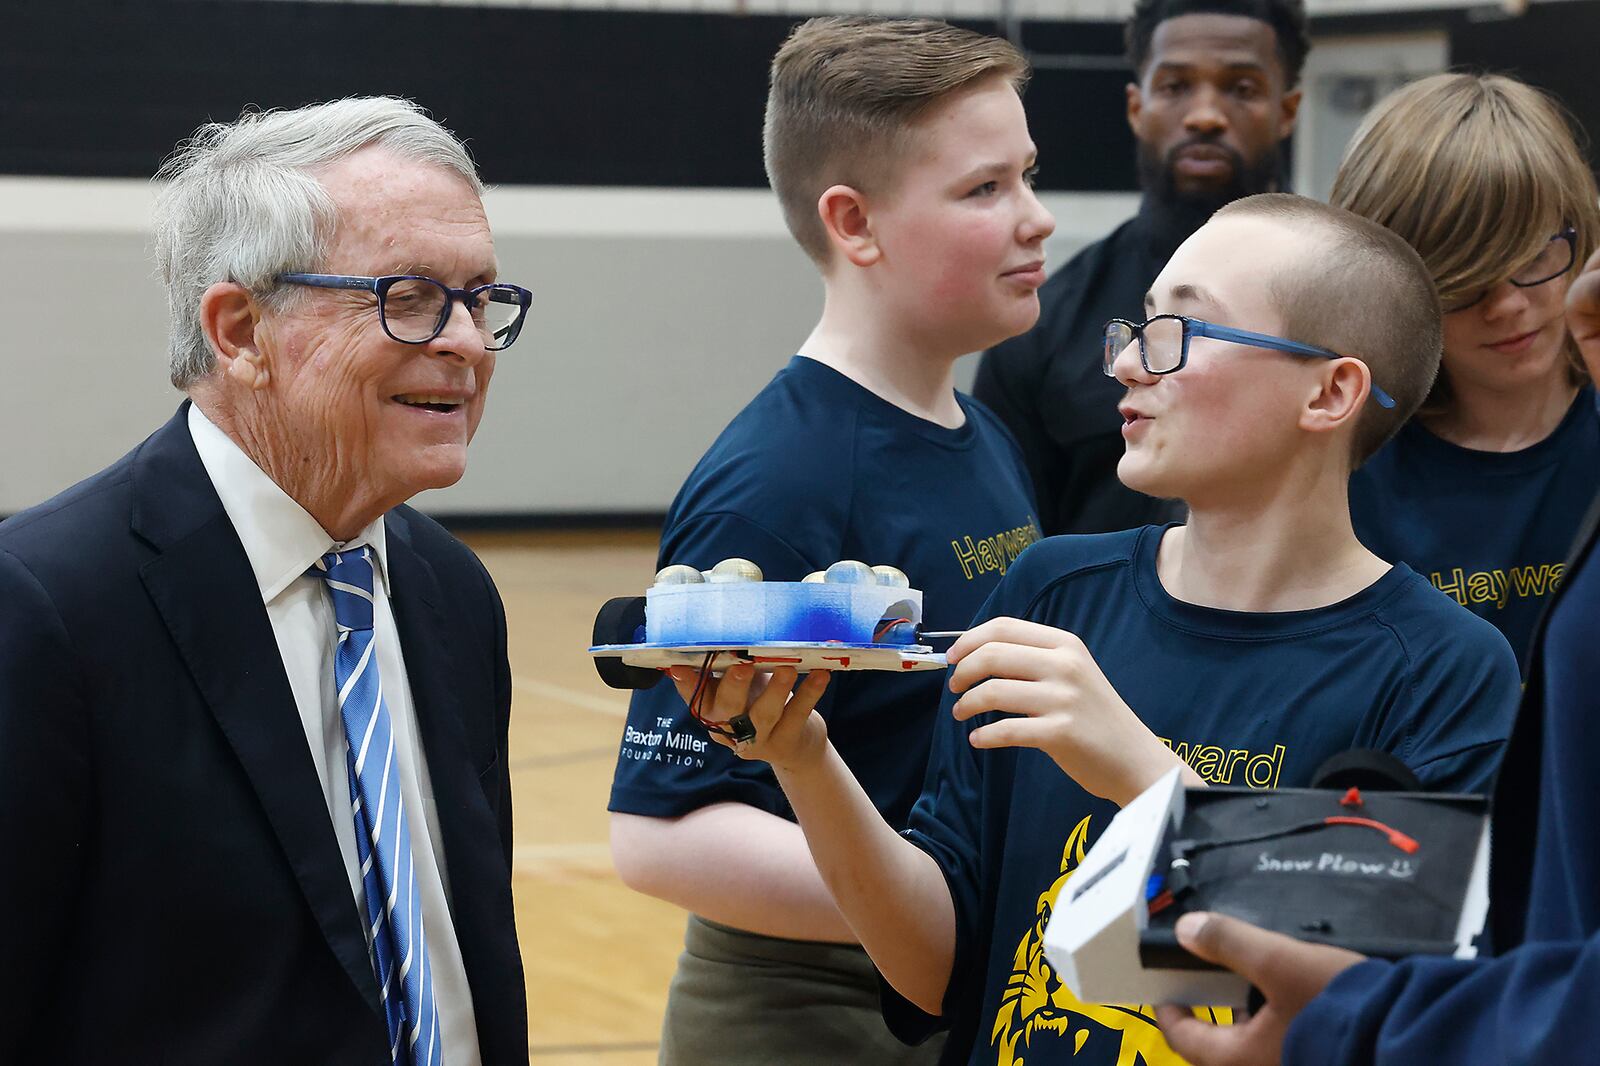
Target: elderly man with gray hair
column 254, row 795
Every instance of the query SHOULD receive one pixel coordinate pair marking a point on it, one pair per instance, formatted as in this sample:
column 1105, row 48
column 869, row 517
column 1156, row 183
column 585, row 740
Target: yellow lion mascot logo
column 1036, row 1005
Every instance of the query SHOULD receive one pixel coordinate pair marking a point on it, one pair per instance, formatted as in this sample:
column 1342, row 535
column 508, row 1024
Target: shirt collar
column 280, row 538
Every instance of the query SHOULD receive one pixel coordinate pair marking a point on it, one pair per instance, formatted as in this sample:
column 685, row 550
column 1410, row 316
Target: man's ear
column 1135, row 107
column 1345, row 386
column 845, row 220
column 1288, row 111
column 229, row 318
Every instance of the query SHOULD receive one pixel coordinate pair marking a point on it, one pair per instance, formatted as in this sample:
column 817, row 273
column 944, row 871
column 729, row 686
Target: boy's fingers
column 1288, row 972
column 999, row 694
column 1245, row 949
column 684, row 679
column 790, row 699
column 727, row 742
column 1008, row 630
column 763, row 709
column 1591, row 266
column 804, row 701
column 1006, row 733
column 811, row 690
column 999, row 659
column 1201, row 1043
column 732, row 695
column 774, row 689
column 1583, row 299
column 973, row 638
column 1583, row 310
column 779, row 699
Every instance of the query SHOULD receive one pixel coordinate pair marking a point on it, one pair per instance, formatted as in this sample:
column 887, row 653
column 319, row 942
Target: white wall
column 657, row 314
column 1342, row 79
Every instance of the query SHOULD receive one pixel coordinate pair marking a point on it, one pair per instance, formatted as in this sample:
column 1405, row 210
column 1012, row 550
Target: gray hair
column 242, row 202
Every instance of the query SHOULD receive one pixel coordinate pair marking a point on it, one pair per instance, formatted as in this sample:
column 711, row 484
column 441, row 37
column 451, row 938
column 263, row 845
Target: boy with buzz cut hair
column 1287, row 341
column 900, row 153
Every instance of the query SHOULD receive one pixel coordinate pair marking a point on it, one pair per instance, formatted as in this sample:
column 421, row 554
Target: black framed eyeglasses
column 1556, row 258
column 413, row 309
column 1164, row 345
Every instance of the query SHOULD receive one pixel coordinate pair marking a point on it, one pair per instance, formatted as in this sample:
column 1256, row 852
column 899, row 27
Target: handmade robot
column 850, row 616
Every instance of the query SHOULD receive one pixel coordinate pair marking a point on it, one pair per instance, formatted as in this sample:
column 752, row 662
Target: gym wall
column 624, row 151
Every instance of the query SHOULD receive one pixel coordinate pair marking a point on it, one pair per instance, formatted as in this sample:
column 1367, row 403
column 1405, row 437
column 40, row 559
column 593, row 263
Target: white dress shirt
column 282, row 541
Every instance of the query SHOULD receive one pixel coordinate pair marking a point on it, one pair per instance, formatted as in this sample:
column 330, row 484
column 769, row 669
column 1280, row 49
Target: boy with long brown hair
column 1483, row 490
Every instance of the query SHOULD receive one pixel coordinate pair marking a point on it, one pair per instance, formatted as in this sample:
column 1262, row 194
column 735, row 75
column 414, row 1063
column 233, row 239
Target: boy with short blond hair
column 1246, row 647
column 900, row 154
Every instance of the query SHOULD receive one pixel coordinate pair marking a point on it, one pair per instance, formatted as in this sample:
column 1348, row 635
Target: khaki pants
column 741, row 999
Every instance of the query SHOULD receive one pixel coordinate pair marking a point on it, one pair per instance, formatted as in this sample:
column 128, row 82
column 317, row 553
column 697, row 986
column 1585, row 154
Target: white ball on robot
column 891, row 576
column 850, row 572
column 736, row 571
column 679, row 574
column 731, row 571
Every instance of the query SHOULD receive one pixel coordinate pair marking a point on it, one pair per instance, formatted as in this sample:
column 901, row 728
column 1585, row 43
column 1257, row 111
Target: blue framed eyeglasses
column 413, row 309
column 1164, row 344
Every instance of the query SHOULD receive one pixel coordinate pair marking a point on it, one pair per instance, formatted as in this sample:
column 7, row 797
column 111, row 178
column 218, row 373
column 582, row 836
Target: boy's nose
column 1129, row 369
column 1505, row 299
column 1038, row 223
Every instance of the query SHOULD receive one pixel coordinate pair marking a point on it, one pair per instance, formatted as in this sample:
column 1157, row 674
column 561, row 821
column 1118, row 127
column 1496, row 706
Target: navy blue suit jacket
column 1535, row 1001
column 171, row 889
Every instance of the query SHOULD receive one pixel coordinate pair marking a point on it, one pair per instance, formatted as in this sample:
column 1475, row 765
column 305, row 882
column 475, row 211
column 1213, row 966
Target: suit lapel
column 206, row 593
column 465, row 819
column 480, row 903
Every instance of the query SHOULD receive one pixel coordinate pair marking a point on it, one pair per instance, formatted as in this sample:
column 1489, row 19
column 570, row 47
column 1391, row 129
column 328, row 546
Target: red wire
column 697, row 697
column 1397, row 838
column 884, row 627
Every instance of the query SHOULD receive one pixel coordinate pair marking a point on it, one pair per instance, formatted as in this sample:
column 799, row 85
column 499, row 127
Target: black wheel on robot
column 621, row 621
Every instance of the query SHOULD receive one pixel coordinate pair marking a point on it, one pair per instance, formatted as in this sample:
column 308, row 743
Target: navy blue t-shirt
column 814, row 470
column 1259, row 700
column 1490, row 529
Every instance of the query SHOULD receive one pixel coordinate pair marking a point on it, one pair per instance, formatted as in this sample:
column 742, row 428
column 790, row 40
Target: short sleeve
column 1464, row 691
column 666, row 765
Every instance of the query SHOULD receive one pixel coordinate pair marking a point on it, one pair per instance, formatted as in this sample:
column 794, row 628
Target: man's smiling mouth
column 430, row 401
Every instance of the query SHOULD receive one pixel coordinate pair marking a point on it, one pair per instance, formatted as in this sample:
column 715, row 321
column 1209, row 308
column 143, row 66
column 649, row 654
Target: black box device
column 1382, row 873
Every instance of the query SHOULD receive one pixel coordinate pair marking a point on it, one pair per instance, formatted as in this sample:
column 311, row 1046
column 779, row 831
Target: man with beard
column 1214, row 100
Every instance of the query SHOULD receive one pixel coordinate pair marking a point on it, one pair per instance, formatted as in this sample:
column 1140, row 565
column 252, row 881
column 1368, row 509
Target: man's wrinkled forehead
column 408, row 217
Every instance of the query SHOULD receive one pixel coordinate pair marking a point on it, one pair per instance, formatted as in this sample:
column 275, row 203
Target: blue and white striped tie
column 395, row 927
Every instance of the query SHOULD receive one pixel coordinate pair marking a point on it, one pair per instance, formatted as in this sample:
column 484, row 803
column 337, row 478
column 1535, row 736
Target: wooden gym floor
column 597, row 955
